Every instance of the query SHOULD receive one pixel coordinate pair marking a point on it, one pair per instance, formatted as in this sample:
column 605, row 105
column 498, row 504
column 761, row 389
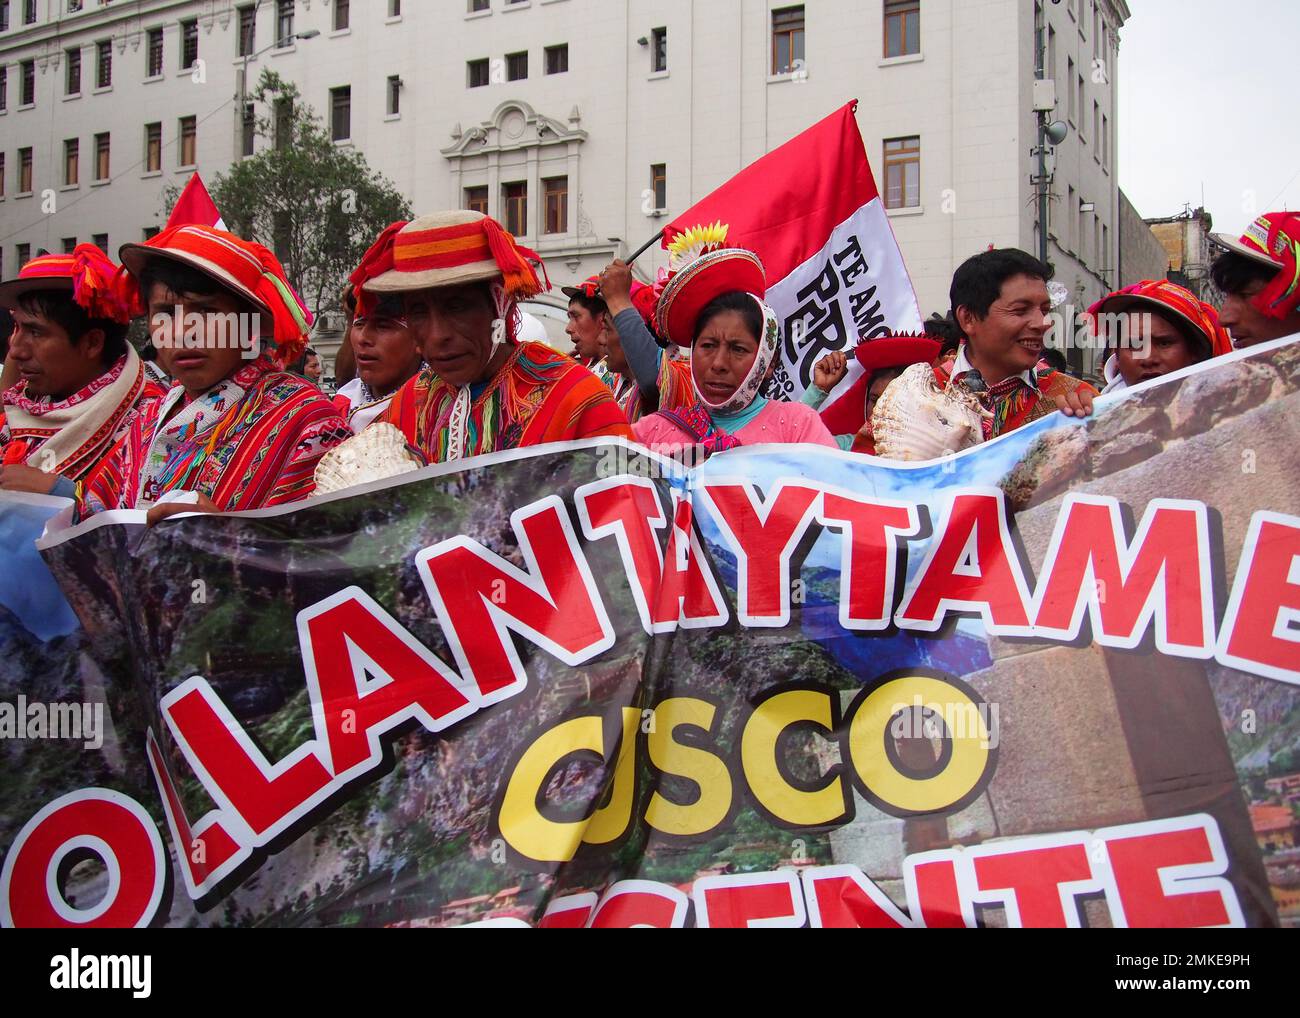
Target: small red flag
column 195, row 207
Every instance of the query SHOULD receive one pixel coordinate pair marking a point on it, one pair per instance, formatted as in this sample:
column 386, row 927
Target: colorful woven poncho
column 537, row 396
column 250, row 442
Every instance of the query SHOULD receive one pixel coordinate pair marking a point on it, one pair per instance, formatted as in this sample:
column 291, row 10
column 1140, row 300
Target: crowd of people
column 437, row 348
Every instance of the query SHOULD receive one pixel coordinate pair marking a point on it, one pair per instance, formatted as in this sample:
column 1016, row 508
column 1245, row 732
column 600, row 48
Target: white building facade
column 581, row 124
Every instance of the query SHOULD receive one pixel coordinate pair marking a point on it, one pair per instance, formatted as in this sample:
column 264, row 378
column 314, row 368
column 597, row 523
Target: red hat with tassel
column 451, row 248
column 86, row 275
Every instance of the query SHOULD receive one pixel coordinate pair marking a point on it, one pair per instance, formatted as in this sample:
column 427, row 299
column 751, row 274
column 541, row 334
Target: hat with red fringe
column 1198, row 319
column 1274, row 240
column 451, row 248
column 245, row 268
column 702, row 268
column 377, row 260
column 87, row 274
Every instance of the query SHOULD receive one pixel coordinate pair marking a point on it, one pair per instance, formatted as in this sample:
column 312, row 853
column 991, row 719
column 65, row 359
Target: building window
column 4, row 88
column 477, row 73
column 555, row 194
column 394, row 8
column 247, row 31
column 394, row 95
column 342, row 15
column 902, row 173
column 152, row 148
column 189, row 44
column 189, row 138
column 517, row 66
column 4, row 15
column 341, row 113
column 104, row 63
column 479, row 5
column 1078, row 84
column 24, row 254
column 71, row 158
column 101, row 156
column 29, row 12
column 1096, row 125
column 249, row 130
column 515, row 200
column 27, row 85
column 658, row 50
column 72, row 83
column 1105, row 140
column 557, row 59
column 154, row 54
column 150, row 232
column 2, row 174
column 1069, row 79
column 787, row 39
column 283, row 23
column 902, row 27
column 100, row 240
column 283, row 124
column 659, row 184
column 24, row 171
column 476, row 199
column 69, row 245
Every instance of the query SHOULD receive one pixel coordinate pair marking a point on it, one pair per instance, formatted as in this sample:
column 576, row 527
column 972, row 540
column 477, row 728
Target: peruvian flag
column 195, row 207
column 811, row 212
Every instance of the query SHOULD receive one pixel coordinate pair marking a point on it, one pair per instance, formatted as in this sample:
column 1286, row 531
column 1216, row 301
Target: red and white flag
column 810, row 210
column 195, row 207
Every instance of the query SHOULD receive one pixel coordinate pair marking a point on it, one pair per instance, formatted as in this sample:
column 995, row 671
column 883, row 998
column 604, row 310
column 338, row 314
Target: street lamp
column 241, row 96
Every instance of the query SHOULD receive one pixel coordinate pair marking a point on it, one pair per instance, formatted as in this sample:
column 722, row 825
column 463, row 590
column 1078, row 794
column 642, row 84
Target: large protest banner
column 1053, row 680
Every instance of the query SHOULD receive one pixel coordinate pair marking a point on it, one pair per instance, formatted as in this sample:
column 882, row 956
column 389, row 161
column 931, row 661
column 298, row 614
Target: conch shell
column 379, row 452
column 915, row 419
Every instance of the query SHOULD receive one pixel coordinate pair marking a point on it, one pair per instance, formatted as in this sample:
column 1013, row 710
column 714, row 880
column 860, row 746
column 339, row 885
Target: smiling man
column 79, row 381
column 460, row 277
column 1000, row 304
column 236, row 427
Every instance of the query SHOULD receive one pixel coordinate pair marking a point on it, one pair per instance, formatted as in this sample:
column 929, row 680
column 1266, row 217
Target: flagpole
column 642, row 249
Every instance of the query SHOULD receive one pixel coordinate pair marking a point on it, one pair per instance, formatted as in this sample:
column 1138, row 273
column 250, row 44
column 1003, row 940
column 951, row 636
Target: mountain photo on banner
column 811, row 212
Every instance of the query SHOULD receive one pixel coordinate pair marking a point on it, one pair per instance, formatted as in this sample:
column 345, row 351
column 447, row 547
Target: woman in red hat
column 236, row 427
column 713, row 304
column 1155, row 327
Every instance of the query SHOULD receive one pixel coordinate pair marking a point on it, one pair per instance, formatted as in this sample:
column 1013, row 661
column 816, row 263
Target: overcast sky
column 1207, row 98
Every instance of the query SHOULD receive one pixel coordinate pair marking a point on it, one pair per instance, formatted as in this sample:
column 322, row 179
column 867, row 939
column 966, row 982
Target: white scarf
column 768, row 343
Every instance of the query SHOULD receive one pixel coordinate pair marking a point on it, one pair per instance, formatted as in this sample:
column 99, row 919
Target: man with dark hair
column 236, row 428
column 1001, row 305
column 79, row 381
column 1259, row 275
column 460, row 276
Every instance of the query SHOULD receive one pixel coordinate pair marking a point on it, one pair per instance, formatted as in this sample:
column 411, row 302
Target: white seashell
column 915, row 419
column 377, row 453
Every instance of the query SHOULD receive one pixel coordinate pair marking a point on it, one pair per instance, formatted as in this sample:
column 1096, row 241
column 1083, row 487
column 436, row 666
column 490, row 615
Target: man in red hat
column 80, row 383
column 1259, row 273
column 236, row 428
column 460, row 277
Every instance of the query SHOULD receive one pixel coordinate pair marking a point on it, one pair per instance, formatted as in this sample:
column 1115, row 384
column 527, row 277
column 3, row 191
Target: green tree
column 316, row 204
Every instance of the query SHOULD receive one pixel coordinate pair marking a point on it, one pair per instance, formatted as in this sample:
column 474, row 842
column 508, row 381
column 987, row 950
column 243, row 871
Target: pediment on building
column 514, row 125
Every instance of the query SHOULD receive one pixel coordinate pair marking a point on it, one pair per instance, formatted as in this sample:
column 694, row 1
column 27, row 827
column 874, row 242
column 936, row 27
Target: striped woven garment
column 251, row 442
column 537, row 396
